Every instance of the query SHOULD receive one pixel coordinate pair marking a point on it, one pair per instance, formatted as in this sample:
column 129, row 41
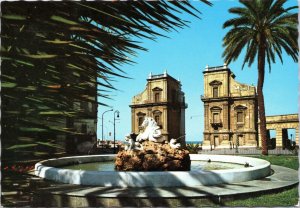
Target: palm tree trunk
column 260, row 98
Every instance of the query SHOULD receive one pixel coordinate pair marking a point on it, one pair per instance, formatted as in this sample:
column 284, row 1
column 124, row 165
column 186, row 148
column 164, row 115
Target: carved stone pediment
column 141, row 114
column 215, row 108
column 156, row 89
column 157, row 112
column 215, row 83
column 240, row 107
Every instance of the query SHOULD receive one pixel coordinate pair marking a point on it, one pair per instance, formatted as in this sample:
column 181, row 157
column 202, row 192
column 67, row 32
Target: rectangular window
column 84, row 106
column 216, row 118
column 174, row 96
column 157, row 97
column 240, row 140
column 83, row 128
column 215, row 92
column 94, row 107
column 216, row 141
column 240, row 117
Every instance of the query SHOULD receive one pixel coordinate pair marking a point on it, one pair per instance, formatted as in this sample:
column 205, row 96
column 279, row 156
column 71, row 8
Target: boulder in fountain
column 148, row 151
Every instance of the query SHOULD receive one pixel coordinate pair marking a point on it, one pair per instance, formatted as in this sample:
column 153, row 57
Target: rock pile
column 153, row 157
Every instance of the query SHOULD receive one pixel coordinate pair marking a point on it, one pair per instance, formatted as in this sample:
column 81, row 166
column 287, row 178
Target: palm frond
column 55, row 54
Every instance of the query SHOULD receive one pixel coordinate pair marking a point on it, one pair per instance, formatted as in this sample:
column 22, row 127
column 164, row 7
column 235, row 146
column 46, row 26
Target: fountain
column 128, row 181
column 150, row 161
column 53, row 169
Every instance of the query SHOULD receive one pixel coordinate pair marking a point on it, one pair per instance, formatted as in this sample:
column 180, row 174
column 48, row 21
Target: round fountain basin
column 53, row 169
column 195, row 165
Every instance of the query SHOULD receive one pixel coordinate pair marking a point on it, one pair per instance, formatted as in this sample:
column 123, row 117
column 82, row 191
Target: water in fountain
column 195, row 165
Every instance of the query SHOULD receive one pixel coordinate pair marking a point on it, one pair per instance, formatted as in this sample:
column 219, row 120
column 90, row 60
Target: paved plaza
column 75, row 195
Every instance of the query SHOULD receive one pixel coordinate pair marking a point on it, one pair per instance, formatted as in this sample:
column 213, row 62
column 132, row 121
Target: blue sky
column 184, row 55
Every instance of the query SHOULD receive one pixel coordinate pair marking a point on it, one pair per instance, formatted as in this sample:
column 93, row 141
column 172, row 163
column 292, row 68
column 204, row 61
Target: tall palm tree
column 265, row 29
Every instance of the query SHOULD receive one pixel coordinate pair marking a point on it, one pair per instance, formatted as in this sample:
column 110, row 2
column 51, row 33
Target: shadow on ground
column 66, row 195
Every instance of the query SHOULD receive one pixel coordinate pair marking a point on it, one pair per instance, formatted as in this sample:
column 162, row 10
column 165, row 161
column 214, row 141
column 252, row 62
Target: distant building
column 164, row 101
column 230, row 110
column 282, row 124
column 85, row 123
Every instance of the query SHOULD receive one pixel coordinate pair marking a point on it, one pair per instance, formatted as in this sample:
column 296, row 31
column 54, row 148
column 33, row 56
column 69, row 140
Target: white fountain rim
column 260, row 168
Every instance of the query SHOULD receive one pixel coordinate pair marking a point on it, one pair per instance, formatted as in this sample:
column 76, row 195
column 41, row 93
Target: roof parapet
column 215, row 68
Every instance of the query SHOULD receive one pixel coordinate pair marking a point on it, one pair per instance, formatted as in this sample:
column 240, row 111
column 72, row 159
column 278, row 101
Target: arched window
column 140, row 118
column 157, row 117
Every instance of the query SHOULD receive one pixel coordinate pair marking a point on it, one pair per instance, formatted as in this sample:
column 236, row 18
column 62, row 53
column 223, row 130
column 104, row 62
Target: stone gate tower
column 164, row 101
column 230, row 110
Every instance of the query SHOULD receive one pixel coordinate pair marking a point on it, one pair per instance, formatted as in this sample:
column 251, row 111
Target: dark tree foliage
column 57, row 53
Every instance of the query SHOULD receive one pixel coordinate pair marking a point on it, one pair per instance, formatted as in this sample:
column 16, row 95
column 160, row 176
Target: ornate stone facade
column 164, row 101
column 230, row 110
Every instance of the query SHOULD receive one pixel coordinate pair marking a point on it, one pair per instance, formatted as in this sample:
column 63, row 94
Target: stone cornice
column 231, row 132
column 162, row 76
column 217, row 70
column 142, row 105
column 219, row 99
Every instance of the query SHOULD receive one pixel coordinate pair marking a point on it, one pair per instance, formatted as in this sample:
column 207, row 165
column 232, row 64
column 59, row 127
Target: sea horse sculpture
column 149, row 151
column 174, row 144
column 151, row 132
column 133, row 145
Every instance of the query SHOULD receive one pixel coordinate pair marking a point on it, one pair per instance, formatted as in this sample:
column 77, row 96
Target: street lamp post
column 102, row 121
column 237, row 144
column 237, row 141
column 115, row 113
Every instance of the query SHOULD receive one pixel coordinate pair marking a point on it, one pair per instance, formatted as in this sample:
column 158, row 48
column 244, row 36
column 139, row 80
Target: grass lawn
column 281, row 199
column 282, row 160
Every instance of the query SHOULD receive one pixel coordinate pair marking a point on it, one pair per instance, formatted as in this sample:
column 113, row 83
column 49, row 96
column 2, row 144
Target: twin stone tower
column 230, row 108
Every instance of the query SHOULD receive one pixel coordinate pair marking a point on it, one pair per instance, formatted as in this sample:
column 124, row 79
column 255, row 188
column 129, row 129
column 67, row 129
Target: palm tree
column 265, row 29
column 56, row 53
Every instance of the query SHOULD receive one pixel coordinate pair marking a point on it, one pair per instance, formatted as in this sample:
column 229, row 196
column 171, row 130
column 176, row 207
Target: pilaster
column 297, row 135
column 206, row 119
column 225, row 116
column 278, row 137
column 133, row 120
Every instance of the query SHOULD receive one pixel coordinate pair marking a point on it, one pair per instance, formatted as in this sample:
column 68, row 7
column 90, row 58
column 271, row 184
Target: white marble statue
column 151, row 131
column 132, row 145
column 174, row 144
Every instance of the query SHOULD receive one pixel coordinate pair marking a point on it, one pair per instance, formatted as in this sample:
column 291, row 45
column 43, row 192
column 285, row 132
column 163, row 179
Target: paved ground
column 81, row 196
column 21, row 192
